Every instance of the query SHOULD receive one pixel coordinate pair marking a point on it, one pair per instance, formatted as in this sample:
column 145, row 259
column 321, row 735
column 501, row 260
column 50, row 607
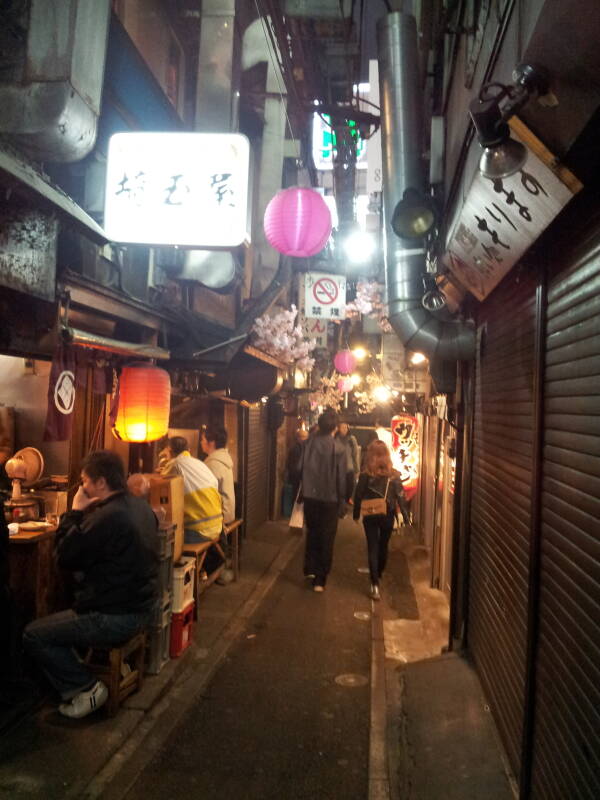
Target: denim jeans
column 51, row 641
column 378, row 529
column 321, row 527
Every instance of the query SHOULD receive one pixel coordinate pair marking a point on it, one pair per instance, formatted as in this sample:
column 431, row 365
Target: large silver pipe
column 401, row 100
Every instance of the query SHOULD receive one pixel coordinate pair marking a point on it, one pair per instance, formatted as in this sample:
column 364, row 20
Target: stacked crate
column 159, row 635
column 183, row 605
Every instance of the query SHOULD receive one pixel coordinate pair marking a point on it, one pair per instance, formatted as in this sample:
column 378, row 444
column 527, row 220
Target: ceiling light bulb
column 360, row 353
column 356, row 379
column 418, row 358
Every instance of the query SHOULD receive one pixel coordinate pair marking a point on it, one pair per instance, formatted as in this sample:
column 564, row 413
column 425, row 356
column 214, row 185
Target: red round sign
column 325, row 291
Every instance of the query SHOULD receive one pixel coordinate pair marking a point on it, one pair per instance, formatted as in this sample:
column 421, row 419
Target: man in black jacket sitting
column 109, row 540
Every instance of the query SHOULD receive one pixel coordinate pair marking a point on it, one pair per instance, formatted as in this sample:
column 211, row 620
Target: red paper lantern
column 345, row 362
column 144, row 403
column 297, row 222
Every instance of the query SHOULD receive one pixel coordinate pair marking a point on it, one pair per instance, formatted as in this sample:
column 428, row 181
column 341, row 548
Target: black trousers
column 378, row 530
column 321, row 526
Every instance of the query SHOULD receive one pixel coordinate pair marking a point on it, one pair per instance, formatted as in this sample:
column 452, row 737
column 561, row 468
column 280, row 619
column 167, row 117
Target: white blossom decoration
column 369, row 302
column 327, row 395
column 280, row 337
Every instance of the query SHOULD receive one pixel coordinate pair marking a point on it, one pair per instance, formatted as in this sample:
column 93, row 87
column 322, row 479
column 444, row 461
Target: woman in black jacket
column 379, row 480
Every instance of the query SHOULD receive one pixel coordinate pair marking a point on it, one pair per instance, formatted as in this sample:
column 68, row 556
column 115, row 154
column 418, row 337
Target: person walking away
column 214, row 443
column 344, row 436
column 324, row 493
column 109, row 540
column 293, row 465
column 202, row 506
column 379, row 480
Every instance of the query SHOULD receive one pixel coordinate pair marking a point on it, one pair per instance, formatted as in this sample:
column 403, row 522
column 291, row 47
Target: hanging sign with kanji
column 405, row 451
column 324, row 296
column 184, row 189
column 500, row 219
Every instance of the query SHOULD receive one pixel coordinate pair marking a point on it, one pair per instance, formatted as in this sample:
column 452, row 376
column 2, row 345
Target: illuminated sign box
column 184, row 189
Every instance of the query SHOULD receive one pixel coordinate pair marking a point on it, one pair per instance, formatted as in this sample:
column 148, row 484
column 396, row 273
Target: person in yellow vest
column 202, row 506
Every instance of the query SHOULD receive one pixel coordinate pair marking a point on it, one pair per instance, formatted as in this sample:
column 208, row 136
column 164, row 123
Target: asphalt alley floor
column 287, row 714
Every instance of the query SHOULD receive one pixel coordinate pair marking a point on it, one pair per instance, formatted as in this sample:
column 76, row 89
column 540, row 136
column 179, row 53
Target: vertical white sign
column 374, row 166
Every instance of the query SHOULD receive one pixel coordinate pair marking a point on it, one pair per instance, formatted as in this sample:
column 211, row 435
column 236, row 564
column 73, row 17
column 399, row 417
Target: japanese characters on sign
column 185, row 189
column 405, row 451
column 500, row 220
column 325, row 296
column 314, row 328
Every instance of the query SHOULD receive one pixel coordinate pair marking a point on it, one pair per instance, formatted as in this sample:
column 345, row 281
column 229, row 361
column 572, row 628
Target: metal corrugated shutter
column 566, row 745
column 501, row 502
column 257, row 480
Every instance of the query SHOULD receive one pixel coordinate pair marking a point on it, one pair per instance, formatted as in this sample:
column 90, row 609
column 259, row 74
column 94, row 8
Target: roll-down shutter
column 257, row 474
column 566, row 742
column 501, row 502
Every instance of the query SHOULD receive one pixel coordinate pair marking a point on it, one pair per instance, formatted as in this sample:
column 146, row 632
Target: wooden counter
column 33, row 573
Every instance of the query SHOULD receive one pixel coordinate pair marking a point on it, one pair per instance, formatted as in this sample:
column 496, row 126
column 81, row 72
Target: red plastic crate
column 182, row 626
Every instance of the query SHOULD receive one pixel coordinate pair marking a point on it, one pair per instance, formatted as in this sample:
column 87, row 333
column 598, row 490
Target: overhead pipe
column 51, row 105
column 401, row 141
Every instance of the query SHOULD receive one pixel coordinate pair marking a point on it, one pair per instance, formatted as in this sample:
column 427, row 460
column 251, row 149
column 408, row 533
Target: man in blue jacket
column 109, row 541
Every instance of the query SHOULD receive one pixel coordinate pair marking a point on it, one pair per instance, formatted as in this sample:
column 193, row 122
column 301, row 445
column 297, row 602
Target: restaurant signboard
column 178, row 189
column 500, row 219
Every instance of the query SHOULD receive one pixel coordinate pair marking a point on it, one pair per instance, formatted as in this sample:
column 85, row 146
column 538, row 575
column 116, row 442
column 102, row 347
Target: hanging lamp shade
column 144, row 403
column 345, row 362
column 345, row 384
column 297, row 222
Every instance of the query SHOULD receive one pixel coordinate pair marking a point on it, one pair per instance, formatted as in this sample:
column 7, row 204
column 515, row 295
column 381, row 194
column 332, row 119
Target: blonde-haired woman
column 379, row 480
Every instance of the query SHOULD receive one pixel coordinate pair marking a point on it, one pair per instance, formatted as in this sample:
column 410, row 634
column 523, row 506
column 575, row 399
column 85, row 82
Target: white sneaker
column 85, row 703
column 375, row 595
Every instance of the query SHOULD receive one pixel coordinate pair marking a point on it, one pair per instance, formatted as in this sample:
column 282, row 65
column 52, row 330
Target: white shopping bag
column 297, row 515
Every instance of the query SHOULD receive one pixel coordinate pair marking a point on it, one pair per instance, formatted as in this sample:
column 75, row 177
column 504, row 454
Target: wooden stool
column 232, row 530
column 199, row 551
column 107, row 664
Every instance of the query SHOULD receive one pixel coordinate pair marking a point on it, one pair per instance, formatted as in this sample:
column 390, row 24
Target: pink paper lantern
column 345, row 362
column 297, row 222
column 345, row 385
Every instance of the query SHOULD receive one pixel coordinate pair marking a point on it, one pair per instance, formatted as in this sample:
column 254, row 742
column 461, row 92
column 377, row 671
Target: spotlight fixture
column 414, row 216
column 503, row 156
column 417, row 358
column 360, row 353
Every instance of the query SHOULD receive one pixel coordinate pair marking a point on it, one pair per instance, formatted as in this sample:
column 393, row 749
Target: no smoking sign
column 325, row 296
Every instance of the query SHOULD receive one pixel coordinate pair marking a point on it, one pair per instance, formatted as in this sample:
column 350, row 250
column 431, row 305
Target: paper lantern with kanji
column 405, row 451
column 144, row 404
column 297, row 222
column 345, row 362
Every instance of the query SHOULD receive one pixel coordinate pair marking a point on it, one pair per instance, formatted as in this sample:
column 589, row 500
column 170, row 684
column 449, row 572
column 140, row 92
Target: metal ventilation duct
column 401, row 140
column 51, row 102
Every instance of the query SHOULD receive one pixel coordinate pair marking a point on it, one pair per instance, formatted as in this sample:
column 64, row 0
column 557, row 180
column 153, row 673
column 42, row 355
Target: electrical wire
column 277, row 68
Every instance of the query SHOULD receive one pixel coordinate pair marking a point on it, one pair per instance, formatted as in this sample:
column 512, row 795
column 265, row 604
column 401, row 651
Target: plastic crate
column 166, row 538
column 183, row 583
column 165, row 575
column 182, row 627
column 159, row 641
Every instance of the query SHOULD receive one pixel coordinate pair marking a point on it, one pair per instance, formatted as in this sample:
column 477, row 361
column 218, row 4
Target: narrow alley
column 286, row 693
